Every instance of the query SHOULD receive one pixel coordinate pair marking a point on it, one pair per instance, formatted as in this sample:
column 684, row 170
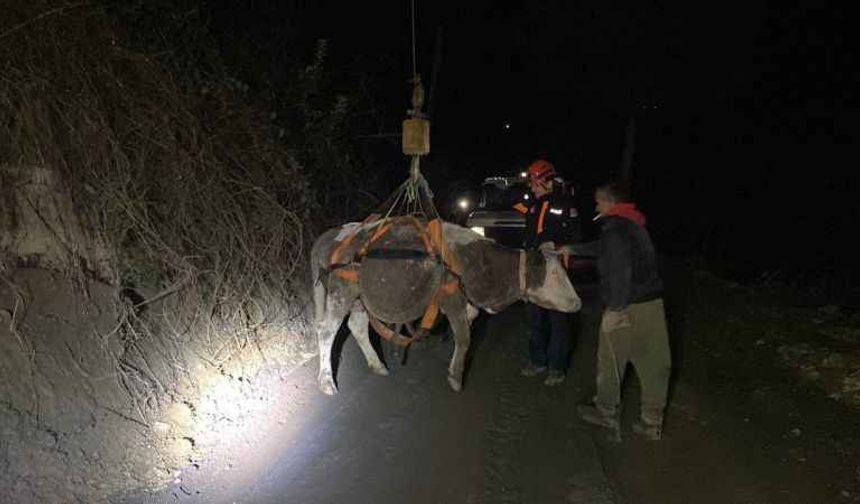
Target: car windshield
column 494, row 197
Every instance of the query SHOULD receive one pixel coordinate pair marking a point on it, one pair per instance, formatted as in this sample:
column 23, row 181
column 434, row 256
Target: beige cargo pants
column 644, row 344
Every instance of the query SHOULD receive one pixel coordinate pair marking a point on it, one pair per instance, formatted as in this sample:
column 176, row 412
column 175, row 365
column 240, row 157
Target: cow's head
column 547, row 283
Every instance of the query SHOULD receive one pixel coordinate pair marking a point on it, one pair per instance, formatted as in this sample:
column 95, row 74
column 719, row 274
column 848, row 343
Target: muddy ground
column 91, row 405
column 744, row 425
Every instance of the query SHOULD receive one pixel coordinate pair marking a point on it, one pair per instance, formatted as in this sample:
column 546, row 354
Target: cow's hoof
column 381, row 371
column 456, row 385
column 328, row 387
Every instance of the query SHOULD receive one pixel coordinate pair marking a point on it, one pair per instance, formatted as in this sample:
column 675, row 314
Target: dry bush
column 183, row 182
column 202, row 213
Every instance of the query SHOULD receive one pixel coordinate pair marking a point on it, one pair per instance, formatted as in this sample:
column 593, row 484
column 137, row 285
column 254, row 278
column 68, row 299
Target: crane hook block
column 416, row 137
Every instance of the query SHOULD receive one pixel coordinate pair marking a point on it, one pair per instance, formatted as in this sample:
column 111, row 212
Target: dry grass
column 203, row 216
column 187, row 188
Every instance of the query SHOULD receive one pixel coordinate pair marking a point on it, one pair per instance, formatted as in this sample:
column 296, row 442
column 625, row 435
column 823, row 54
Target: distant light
column 507, row 126
column 464, row 204
column 478, row 230
column 525, row 196
column 523, row 174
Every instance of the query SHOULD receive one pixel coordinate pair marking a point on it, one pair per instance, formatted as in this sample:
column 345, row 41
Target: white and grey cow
column 396, row 288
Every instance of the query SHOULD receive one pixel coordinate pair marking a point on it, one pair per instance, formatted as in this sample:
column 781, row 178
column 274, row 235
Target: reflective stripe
column 556, row 211
column 541, row 216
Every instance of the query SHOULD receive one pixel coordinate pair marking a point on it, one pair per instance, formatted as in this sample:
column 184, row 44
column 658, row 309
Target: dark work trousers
column 549, row 337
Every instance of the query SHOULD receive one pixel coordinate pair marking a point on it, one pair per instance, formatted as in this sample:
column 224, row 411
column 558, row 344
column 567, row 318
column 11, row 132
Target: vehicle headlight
column 478, row 229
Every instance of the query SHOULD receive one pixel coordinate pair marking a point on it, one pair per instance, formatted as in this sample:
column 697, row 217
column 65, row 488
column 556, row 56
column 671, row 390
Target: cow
column 397, row 279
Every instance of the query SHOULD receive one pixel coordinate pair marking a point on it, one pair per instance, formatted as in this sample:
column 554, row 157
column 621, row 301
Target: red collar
column 627, row 211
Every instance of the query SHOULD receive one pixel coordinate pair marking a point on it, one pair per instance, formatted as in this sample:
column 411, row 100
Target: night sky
column 746, row 112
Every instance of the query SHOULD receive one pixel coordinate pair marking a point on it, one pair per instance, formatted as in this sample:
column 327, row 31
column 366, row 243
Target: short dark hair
column 615, row 191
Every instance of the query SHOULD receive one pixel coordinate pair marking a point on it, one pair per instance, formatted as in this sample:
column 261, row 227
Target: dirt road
column 739, row 430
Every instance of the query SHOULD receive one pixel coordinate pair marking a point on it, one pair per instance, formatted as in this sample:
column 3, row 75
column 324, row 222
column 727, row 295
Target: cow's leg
column 358, row 323
column 454, row 307
column 472, row 313
column 329, row 312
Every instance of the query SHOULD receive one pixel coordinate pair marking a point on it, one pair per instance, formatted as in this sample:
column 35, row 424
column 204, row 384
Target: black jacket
column 626, row 262
column 552, row 217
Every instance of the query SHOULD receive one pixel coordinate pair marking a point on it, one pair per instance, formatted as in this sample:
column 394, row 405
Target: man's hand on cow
column 547, row 247
column 615, row 319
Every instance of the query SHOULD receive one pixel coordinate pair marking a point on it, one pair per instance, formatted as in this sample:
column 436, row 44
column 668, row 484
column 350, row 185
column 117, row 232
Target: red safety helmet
column 540, row 170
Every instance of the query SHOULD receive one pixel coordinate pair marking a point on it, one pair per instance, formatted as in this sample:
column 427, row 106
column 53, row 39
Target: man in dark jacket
column 633, row 327
column 551, row 221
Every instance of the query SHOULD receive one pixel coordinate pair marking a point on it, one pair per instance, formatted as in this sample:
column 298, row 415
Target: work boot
column 596, row 417
column 554, row 377
column 651, row 432
column 531, row 369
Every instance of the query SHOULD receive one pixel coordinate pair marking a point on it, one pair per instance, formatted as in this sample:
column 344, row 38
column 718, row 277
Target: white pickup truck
column 494, row 215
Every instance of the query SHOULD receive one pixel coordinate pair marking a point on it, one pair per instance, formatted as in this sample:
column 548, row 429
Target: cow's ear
column 533, row 258
column 535, row 268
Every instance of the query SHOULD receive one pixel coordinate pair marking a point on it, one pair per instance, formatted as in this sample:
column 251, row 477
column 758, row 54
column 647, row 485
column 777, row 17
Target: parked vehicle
column 494, row 217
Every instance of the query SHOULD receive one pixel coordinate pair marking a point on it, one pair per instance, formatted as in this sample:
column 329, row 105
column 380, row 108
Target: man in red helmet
column 551, row 221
